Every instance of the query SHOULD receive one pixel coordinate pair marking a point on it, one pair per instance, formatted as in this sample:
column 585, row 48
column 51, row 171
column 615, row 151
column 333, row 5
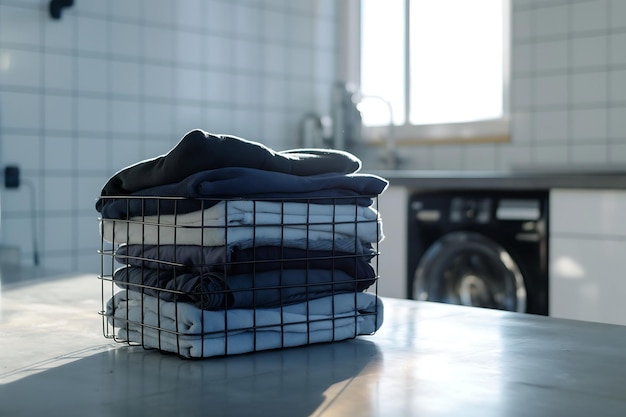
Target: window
column 439, row 69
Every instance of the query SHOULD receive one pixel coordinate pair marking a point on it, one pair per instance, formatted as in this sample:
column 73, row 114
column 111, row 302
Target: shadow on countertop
column 129, row 381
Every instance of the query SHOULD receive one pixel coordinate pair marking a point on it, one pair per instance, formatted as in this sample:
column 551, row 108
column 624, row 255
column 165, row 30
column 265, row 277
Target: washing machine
column 482, row 248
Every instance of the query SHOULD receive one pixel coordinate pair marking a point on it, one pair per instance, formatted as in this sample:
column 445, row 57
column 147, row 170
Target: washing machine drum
column 470, row 269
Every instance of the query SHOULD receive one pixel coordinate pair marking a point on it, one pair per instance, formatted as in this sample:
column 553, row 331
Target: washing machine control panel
column 518, row 209
column 477, row 209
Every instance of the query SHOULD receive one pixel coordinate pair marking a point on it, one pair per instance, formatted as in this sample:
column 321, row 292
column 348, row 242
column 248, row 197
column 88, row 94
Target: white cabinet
column 392, row 262
column 588, row 255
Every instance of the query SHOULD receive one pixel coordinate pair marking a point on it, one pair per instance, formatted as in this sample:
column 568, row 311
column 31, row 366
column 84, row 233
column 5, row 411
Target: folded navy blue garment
column 206, row 188
column 242, row 261
column 216, row 291
column 199, row 151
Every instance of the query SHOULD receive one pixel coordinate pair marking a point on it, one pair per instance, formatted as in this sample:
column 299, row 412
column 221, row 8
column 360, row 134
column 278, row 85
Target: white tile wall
column 548, row 154
column 18, row 25
column 589, row 16
column 589, row 88
column 589, row 154
column 481, row 158
column 617, row 123
column 114, row 82
column 551, row 55
column 518, row 155
column 553, row 20
column 551, row 125
column 589, row 125
column 617, row 153
column 617, row 83
column 589, row 52
column 573, row 81
column 616, row 50
column 521, row 95
column 551, row 91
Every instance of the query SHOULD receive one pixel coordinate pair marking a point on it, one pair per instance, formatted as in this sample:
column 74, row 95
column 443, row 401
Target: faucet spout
column 390, row 157
column 310, row 131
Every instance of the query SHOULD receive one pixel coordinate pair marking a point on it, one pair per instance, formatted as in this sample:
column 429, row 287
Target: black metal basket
column 213, row 277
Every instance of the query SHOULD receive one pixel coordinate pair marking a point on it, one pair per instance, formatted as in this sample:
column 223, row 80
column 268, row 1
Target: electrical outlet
column 11, row 176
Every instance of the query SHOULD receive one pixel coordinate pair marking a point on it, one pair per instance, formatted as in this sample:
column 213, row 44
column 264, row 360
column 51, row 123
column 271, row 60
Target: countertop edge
column 424, row 179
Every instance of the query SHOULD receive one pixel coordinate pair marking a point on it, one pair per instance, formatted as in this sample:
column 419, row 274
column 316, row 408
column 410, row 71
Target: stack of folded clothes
column 227, row 247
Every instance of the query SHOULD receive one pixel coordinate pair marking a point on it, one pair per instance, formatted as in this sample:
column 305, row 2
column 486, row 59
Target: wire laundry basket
column 214, row 277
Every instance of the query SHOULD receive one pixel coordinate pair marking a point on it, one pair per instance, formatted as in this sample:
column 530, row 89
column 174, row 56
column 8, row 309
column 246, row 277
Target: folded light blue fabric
column 235, row 221
column 194, row 333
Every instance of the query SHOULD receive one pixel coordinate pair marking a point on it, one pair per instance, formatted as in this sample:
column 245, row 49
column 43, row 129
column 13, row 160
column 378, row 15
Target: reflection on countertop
column 13, row 275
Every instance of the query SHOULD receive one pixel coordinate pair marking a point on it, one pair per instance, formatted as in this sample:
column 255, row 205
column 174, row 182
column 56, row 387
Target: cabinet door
column 392, row 205
column 587, row 254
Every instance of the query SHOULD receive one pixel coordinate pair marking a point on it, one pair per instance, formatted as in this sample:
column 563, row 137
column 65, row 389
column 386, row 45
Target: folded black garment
column 216, row 291
column 243, row 261
column 199, row 151
column 204, row 189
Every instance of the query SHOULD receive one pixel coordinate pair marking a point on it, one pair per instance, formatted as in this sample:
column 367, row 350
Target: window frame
column 481, row 131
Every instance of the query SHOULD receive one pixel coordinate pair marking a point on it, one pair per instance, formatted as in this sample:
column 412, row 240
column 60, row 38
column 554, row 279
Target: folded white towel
column 191, row 332
column 234, row 221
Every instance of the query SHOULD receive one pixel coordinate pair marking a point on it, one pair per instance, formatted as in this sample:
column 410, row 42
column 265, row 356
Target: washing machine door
column 470, row 269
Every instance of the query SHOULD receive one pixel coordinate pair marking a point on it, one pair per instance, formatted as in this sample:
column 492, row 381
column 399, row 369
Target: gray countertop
column 514, row 180
column 427, row 359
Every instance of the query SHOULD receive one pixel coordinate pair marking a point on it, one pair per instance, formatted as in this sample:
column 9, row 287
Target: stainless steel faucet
column 311, row 132
column 345, row 123
column 390, row 157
